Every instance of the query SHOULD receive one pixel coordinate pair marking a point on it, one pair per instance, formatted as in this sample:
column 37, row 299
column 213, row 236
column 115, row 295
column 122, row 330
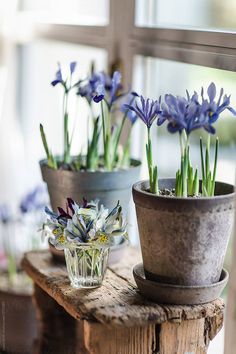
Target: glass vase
column 86, row 265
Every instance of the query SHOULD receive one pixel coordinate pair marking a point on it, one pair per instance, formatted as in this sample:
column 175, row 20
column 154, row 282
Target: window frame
column 211, row 48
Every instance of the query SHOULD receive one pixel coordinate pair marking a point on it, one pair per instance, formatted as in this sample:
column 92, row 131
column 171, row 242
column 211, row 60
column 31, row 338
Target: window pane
column 42, row 103
column 186, row 13
column 154, row 77
column 73, row 11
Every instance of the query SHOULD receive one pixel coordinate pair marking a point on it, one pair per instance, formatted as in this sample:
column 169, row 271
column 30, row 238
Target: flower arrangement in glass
column 184, row 115
column 109, row 93
column 85, row 233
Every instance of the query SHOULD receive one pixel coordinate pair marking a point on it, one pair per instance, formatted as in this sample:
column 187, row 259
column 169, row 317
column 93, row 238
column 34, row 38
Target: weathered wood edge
column 116, row 315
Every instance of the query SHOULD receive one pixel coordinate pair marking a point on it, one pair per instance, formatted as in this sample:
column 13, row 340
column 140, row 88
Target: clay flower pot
column 108, row 187
column 184, row 240
column 18, row 324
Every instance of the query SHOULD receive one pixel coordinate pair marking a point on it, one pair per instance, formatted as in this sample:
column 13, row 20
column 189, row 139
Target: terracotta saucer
column 178, row 294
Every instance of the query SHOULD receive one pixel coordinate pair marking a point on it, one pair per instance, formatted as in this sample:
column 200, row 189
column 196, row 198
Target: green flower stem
column 207, row 157
column 184, row 177
column 153, row 176
column 208, row 176
column 106, row 139
column 120, row 131
column 125, row 162
column 215, row 167
column 118, row 139
column 103, row 130
column 186, row 180
column 184, row 163
column 202, row 160
column 196, row 184
column 190, row 180
column 92, row 150
column 67, row 144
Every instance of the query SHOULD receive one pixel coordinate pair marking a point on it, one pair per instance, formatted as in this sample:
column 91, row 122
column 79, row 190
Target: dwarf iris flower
column 67, row 85
column 147, row 110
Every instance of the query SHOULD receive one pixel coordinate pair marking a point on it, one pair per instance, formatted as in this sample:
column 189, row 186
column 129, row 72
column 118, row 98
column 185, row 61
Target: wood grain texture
column 189, row 337
column 117, row 302
column 98, row 339
column 56, row 326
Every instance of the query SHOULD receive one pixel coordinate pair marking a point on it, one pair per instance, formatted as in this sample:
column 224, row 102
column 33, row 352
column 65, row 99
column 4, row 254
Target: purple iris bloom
column 182, row 113
column 72, row 66
column 90, row 88
column 173, row 110
column 212, row 108
column 115, row 87
column 99, row 93
column 189, row 114
column 5, row 213
column 109, row 88
column 59, row 78
column 34, row 200
column 131, row 115
column 146, row 109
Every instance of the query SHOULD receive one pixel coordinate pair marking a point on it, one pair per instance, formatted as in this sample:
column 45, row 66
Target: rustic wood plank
column 56, row 326
column 117, row 302
column 185, row 337
column 98, row 339
column 192, row 336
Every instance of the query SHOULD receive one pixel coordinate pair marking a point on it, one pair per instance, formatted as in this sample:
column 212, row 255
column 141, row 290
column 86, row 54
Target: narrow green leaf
column 202, row 160
column 50, row 159
column 196, row 183
column 177, row 184
column 190, row 180
column 208, row 186
column 184, row 178
column 215, row 167
column 155, row 181
column 44, row 140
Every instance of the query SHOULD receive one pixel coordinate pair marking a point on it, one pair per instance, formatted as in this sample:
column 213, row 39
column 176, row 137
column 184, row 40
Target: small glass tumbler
column 86, row 265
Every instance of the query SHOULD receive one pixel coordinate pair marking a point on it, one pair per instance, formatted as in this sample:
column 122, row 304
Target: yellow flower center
column 56, row 232
column 61, row 239
column 103, row 238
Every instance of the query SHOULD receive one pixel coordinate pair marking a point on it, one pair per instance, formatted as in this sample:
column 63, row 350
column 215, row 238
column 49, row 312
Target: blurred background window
column 214, row 14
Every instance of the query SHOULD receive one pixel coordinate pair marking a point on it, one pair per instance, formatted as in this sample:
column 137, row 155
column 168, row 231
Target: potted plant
column 106, row 171
column 17, row 234
column 85, row 233
column 184, row 223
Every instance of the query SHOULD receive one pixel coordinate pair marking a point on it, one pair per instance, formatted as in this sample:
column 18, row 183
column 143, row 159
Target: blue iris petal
column 72, row 66
column 211, row 91
column 146, row 109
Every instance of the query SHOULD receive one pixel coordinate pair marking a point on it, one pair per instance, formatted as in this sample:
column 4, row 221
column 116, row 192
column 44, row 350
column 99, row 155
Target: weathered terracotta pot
column 108, row 187
column 184, row 240
column 18, row 325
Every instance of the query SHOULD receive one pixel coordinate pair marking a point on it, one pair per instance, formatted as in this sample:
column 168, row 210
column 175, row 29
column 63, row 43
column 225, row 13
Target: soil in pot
column 184, row 240
column 18, row 326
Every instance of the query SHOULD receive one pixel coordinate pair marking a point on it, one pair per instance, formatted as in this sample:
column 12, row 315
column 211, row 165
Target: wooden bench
column 115, row 318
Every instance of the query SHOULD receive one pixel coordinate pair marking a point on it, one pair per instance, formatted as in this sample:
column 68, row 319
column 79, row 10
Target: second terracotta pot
column 184, row 240
column 107, row 186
